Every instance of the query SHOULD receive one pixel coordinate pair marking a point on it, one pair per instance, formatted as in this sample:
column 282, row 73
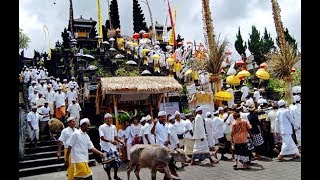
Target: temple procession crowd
column 255, row 129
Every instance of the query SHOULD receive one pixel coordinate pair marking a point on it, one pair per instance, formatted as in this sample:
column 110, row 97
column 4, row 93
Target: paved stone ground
column 266, row 170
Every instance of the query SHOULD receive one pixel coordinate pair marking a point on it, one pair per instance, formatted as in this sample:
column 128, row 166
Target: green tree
column 254, row 45
column 138, row 18
column 289, row 39
column 114, row 15
column 238, row 44
column 267, row 45
column 24, row 40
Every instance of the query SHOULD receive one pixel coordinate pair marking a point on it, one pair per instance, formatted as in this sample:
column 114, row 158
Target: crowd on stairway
column 47, row 97
column 255, row 129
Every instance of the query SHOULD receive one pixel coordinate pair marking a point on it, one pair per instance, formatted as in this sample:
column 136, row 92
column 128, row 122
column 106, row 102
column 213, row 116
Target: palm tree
column 282, row 61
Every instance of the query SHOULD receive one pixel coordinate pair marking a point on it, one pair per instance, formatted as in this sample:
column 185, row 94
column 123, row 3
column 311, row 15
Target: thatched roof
column 139, row 84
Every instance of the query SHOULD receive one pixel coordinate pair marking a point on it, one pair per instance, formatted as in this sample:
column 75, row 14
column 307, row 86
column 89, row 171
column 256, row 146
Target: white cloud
column 227, row 15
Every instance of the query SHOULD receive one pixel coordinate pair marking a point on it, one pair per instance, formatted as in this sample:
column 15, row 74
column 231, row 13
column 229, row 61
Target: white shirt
column 179, row 126
column 57, row 85
column 66, row 134
column 161, row 132
column 32, row 98
column 262, row 101
column 135, row 130
column 74, row 84
column 188, row 126
column 173, row 136
column 283, row 122
column 249, row 102
column 108, row 132
column 244, row 115
column 271, row 117
column 128, row 135
column 70, row 95
column 74, row 110
column 199, row 131
column 30, row 90
column 80, row 143
column 218, row 127
column 296, row 113
column 44, row 111
column 121, row 135
column 209, row 126
column 34, row 118
column 145, row 130
column 59, row 98
column 245, row 91
column 49, row 96
column 39, row 101
column 256, row 95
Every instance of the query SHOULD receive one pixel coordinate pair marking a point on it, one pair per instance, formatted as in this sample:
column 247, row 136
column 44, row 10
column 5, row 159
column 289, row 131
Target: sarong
column 188, row 146
column 70, row 170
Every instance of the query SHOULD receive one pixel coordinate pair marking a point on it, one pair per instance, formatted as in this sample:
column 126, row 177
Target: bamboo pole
column 116, row 111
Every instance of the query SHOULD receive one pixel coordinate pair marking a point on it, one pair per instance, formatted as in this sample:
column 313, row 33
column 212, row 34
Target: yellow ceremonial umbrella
column 223, row 96
column 243, row 73
column 134, row 44
column 169, row 61
column 262, row 74
column 155, row 57
column 145, row 50
column 233, row 80
column 188, row 72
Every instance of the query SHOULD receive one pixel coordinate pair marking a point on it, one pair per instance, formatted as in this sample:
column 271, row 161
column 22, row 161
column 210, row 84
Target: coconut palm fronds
column 281, row 62
column 216, row 57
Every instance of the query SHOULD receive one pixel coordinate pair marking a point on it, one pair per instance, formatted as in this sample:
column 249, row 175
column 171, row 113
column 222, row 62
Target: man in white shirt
column 245, row 92
column 74, row 111
column 71, row 94
column 296, row 113
column 73, row 83
column 44, row 111
column 62, row 141
column 59, row 104
column 31, row 88
column 174, row 141
column 161, row 131
column 209, row 128
column 261, row 100
column 179, row 128
column 108, row 142
column 201, row 148
column 145, row 131
column 78, row 145
column 256, row 95
column 32, row 97
column 283, row 127
column 33, row 119
column 188, row 135
column 49, row 96
column 249, row 101
column 271, row 117
column 39, row 101
column 230, row 90
column 151, row 137
column 221, row 128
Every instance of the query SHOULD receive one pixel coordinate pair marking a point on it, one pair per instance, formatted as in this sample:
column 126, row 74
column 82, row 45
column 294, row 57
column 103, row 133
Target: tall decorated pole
column 216, row 50
column 99, row 23
column 284, row 60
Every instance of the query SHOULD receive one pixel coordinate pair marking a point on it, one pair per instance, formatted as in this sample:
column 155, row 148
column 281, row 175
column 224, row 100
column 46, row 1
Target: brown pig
column 155, row 158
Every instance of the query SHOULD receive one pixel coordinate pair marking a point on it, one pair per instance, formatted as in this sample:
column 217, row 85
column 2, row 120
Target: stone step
column 32, row 150
column 30, row 171
column 44, row 161
column 42, row 155
column 42, row 143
